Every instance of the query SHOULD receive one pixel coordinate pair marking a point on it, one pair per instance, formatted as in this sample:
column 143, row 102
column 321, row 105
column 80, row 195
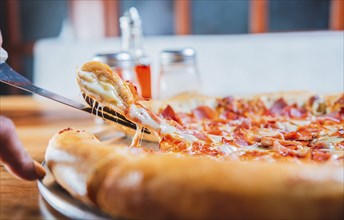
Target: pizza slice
column 98, row 82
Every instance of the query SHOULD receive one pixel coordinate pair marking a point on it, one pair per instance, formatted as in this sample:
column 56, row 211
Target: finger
column 13, row 154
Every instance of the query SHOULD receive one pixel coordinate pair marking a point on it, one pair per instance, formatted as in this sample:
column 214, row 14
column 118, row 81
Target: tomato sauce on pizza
column 251, row 129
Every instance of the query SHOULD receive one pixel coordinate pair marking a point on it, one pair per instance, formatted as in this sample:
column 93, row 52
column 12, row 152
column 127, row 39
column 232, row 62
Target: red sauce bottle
column 144, row 77
column 131, row 34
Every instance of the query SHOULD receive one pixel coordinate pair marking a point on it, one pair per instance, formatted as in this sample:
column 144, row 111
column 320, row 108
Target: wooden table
column 37, row 119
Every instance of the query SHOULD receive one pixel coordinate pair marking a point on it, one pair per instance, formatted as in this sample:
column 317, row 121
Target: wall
column 229, row 64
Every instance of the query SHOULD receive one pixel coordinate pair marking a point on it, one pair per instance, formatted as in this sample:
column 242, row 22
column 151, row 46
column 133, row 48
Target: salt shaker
column 178, row 73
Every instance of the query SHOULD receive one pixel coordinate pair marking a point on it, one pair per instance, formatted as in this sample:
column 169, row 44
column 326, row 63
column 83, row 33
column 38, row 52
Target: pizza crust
column 184, row 102
column 133, row 184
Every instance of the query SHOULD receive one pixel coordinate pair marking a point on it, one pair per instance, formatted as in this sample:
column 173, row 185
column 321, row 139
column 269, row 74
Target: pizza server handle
column 3, row 55
column 12, row 78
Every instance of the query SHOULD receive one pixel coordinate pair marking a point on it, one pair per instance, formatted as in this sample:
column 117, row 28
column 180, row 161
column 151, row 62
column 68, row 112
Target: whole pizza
column 270, row 156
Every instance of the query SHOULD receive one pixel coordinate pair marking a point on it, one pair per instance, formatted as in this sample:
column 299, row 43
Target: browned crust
column 163, row 186
column 104, row 73
column 185, row 102
column 73, row 156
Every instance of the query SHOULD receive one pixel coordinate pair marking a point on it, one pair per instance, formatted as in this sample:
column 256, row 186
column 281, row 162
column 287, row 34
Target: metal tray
column 63, row 202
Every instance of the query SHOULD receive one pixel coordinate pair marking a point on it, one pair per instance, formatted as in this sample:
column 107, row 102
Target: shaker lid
column 130, row 18
column 120, row 59
column 178, row 56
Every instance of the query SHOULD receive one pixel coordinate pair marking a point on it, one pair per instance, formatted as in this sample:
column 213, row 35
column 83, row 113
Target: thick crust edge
column 134, row 184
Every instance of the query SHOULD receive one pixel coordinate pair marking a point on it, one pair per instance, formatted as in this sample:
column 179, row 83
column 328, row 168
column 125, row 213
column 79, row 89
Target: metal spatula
column 12, row 78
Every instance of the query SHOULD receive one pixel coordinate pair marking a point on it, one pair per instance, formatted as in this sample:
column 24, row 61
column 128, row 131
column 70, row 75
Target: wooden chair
column 258, row 16
column 13, row 41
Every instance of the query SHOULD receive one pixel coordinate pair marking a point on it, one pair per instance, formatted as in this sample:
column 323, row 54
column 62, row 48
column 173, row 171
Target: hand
column 3, row 53
column 13, row 155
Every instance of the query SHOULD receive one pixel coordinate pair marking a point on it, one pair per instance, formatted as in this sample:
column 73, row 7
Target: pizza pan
column 63, row 202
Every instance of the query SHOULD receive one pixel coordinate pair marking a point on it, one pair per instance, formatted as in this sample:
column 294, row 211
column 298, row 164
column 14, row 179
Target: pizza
column 270, row 156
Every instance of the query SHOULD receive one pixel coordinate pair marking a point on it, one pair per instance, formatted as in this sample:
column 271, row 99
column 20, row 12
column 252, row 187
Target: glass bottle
column 131, row 33
column 178, row 73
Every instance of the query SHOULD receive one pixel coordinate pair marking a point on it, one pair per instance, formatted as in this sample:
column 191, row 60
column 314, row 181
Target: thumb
column 14, row 156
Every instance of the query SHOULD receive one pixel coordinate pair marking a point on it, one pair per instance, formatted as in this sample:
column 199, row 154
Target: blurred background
column 37, row 32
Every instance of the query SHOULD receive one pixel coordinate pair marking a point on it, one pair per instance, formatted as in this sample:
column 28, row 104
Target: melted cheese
column 227, row 149
column 286, row 126
column 90, row 83
column 140, row 114
column 331, row 141
column 136, row 139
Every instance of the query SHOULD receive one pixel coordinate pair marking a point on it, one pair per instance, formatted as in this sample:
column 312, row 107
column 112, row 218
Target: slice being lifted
column 98, row 82
column 256, row 158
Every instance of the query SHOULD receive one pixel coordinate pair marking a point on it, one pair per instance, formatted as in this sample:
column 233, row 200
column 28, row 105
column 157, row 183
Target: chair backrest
column 258, row 15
